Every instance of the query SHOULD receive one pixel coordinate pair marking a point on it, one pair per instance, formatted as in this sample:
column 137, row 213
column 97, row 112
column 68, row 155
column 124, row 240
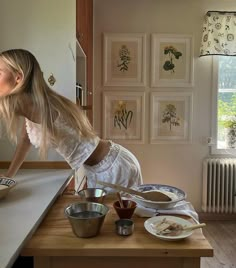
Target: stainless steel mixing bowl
column 86, row 218
column 92, row 194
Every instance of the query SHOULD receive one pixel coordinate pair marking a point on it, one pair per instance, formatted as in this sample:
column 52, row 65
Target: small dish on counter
column 152, row 225
column 174, row 193
column 127, row 211
column 96, row 195
column 124, row 227
column 6, row 184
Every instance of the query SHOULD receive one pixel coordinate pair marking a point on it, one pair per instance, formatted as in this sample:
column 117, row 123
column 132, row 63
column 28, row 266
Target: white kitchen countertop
column 24, row 208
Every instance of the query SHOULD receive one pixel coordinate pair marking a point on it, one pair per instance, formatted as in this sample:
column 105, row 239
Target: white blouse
column 74, row 148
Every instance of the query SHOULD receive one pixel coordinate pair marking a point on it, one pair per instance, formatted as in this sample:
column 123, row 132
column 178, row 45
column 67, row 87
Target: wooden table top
column 54, row 237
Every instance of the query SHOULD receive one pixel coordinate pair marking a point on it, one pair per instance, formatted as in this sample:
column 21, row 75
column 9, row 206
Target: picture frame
column 124, row 59
column 171, row 117
column 172, row 62
column 123, row 116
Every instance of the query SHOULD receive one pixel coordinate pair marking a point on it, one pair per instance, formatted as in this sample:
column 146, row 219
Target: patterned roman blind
column 219, row 34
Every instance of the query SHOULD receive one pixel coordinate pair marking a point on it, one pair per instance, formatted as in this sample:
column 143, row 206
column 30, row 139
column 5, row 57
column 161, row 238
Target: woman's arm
column 22, row 148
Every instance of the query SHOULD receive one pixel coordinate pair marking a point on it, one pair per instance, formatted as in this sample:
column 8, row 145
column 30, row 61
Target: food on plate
column 167, row 227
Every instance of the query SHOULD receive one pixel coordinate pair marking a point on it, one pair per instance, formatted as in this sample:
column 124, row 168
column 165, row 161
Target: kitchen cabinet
column 84, row 34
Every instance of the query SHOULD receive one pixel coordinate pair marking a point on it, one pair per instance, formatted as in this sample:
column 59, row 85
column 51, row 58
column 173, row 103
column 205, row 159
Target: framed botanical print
column 123, row 116
column 124, row 59
column 171, row 117
column 172, row 60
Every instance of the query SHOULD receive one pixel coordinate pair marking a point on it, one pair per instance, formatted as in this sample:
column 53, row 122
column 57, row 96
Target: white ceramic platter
column 148, row 224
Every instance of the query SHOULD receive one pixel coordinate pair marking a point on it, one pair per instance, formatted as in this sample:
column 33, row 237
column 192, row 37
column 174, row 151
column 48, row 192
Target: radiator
column 219, row 185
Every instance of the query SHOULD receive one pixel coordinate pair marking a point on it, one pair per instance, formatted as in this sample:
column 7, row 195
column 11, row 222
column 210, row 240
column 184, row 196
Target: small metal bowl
column 92, row 195
column 124, row 227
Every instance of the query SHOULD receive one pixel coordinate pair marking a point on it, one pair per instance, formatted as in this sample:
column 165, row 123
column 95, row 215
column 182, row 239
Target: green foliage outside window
column 227, row 109
column 227, row 118
column 227, row 101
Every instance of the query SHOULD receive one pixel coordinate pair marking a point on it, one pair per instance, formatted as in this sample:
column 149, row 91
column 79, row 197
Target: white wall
column 174, row 164
column 47, row 29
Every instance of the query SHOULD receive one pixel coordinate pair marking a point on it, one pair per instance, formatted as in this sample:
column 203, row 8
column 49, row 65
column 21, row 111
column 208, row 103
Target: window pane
column 227, row 72
column 227, row 103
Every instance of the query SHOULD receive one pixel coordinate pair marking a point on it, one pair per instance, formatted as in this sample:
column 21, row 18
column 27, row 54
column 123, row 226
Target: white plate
column 178, row 194
column 148, row 226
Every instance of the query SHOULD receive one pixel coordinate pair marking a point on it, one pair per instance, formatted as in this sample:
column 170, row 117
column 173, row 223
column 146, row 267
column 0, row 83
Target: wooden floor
column 222, row 237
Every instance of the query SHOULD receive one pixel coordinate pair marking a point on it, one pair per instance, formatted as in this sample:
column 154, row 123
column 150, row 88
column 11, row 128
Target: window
column 224, row 105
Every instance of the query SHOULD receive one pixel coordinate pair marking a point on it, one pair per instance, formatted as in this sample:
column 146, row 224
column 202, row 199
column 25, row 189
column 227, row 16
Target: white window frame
column 214, row 127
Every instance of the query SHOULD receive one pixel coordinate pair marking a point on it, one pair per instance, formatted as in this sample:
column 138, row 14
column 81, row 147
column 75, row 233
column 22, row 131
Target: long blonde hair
column 43, row 98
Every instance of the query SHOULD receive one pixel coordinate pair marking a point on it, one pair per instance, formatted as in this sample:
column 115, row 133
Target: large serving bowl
column 86, row 218
column 92, row 194
column 176, row 195
column 6, row 184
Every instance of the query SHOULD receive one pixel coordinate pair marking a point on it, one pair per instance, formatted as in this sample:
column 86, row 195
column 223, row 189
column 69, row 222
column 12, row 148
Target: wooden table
column 54, row 245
